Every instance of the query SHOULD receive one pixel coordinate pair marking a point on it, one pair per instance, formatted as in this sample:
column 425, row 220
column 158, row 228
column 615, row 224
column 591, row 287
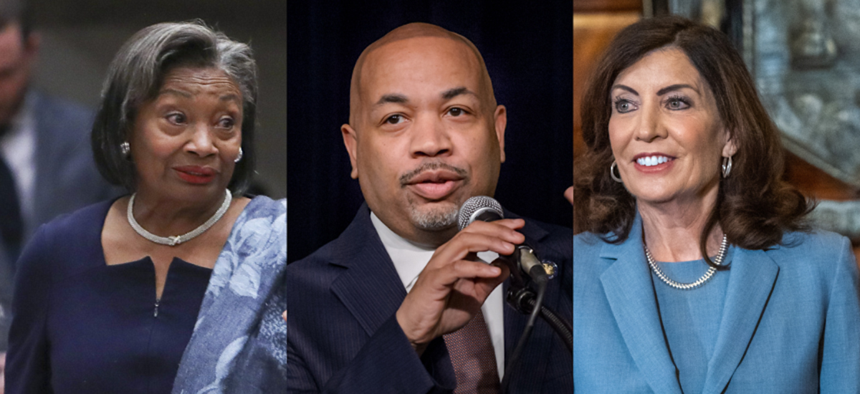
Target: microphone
column 523, row 261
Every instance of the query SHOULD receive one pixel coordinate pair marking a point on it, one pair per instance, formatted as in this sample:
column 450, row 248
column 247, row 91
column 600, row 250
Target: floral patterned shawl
column 239, row 344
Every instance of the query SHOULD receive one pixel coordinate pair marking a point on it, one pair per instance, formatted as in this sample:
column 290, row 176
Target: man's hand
column 284, row 316
column 568, row 194
column 453, row 286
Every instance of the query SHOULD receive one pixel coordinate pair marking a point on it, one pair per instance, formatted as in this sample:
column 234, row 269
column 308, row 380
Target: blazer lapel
column 752, row 280
column 630, row 292
column 370, row 287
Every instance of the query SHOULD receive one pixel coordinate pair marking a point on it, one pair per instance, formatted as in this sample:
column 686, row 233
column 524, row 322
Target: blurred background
column 79, row 39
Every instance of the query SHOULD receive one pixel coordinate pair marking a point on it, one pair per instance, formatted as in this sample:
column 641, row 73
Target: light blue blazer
column 790, row 324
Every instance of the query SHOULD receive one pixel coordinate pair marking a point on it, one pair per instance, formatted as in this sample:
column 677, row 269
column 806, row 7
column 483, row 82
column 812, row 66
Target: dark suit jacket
column 66, row 178
column 66, row 175
column 343, row 336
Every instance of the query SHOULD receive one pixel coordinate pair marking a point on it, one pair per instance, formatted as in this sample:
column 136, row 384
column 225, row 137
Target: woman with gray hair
column 179, row 285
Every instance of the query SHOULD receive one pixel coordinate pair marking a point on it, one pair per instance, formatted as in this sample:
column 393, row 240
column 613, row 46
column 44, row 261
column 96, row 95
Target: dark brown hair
column 754, row 206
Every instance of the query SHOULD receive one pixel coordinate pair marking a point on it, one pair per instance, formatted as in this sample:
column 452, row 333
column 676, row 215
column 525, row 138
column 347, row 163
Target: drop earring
column 727, row 166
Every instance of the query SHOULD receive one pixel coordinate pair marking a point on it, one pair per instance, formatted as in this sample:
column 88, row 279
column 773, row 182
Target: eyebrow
column 627, row 88
column 392, row 98
column 230, row 97
column 451, row 93
column 660, row 92
column 675, row 87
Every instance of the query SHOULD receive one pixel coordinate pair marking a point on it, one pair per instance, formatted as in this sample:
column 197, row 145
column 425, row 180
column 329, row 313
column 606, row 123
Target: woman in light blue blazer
column 695, row 272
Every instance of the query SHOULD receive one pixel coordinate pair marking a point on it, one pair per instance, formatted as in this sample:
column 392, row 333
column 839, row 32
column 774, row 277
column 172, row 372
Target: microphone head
column 480, row 208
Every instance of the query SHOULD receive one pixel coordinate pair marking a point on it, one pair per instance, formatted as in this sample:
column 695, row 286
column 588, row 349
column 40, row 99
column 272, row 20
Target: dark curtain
column 527, row 47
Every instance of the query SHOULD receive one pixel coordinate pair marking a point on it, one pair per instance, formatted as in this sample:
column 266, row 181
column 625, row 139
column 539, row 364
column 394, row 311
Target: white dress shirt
column 410, row 259
column 18, row 149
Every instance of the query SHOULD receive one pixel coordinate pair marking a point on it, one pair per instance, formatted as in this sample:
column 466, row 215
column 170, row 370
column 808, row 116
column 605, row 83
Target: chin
column 654, row 197
column 434, row 218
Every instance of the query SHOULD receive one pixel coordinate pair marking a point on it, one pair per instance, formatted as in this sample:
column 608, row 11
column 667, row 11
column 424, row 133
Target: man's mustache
column 406, row 178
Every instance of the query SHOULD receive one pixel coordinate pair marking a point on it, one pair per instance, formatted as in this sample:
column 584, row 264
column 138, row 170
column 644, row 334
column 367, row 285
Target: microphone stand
column 523, row 299
column 522, row 295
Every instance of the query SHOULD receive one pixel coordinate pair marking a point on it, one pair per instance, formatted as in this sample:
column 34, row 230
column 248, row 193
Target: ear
column 730, row 148
column 501, row 121
column 350, row 140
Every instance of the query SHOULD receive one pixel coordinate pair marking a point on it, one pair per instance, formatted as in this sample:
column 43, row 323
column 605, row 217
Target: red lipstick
column 195, row 174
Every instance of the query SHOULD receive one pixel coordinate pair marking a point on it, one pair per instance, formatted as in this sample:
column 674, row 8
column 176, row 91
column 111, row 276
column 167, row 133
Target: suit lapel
column 753, row 276
column 630, row 292
column 370, row 288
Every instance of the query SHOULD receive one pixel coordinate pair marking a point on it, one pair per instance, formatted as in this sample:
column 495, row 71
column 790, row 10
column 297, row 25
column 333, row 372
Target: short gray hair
column 136, row 74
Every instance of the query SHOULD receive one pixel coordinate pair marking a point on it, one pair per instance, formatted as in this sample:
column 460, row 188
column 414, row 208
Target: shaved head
column 406, row 32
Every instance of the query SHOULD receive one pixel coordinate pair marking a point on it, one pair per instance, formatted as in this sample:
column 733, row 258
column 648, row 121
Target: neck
column 169, row 217
column 672, row 230
column 434, row 238
column 422, row 238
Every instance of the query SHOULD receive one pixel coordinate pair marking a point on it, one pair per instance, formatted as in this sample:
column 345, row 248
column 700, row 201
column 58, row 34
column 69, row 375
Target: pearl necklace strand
column 687, row 286
column 177, row 239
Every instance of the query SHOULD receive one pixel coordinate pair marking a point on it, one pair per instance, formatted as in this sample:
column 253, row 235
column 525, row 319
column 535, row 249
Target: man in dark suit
column 402, row 302
column 46, row 167
column 44, row 141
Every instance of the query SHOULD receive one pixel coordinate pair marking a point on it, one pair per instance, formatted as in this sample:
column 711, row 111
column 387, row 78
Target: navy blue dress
column 81, row 326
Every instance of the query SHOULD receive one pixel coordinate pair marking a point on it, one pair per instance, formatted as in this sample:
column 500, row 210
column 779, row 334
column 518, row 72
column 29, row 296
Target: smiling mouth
column 650, row 161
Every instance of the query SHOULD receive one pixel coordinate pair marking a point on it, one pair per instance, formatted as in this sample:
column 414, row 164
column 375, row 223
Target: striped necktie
column 474, row 360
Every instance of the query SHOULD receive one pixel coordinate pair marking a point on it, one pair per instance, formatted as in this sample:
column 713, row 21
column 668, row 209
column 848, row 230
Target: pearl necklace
column 177, row 239
column 687, row 286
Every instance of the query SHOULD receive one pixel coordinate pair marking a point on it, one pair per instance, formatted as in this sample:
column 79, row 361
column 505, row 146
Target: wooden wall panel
column 591, row 35
column 582, row 6
column 816, row 183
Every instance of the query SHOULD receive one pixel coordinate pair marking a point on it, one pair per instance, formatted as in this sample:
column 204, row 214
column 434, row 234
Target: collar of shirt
column 409, row 260
column 18, row 149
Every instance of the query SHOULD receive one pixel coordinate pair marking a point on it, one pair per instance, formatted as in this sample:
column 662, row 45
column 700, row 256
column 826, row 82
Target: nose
column 201, row 142
column 650, row 125
column 430, row 137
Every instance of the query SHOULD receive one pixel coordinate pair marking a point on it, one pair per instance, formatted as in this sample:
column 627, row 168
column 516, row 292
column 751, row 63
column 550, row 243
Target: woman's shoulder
column 814, row 243
column 70, row 225
column 262, row 206
column 814, row 253
column 81, row 228
column 589, row 243
column 66, row 243
column 262, row 225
